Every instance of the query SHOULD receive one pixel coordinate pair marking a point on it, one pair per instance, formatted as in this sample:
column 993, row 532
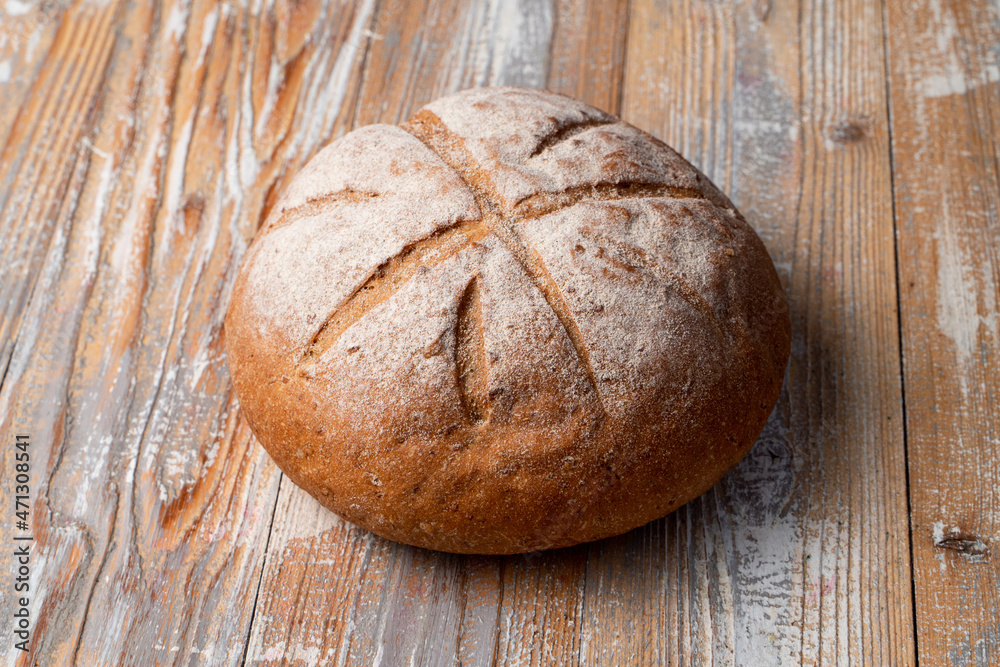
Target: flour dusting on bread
column 531, row 322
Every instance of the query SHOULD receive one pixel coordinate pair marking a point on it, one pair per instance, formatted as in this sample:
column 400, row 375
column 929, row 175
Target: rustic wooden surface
column 945, row 100
column 142, row 144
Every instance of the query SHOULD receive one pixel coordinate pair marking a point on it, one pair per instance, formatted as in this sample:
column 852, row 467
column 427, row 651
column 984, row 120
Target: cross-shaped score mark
column 502, row 223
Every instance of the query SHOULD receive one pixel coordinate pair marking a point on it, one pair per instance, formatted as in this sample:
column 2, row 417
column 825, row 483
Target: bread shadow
column 698, row 567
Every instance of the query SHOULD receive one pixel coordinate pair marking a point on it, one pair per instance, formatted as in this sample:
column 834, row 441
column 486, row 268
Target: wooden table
column 142, row 145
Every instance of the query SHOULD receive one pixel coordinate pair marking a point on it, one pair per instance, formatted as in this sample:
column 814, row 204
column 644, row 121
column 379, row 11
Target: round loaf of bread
column 512, row 323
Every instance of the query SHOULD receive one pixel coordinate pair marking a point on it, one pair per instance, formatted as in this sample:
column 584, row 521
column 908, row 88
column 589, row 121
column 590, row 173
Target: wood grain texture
column 800, row 555
column 945, row 87
column 142, row 144
column 135, row 173
column 588, row 51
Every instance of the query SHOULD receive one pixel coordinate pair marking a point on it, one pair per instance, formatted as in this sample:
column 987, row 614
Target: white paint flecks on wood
column 945, row 95
column 788, row 544
column 143, row 143
column 152, row 502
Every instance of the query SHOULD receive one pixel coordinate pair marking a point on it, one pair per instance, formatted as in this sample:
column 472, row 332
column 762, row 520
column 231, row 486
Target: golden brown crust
column 514, row 323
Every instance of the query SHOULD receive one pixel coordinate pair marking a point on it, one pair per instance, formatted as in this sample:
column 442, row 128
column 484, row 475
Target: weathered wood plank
column 133, row 177
column 39, row 170
column 944, row 70
column 588, row 51
column 27, row 32
column 142, row 144
column 800, row 555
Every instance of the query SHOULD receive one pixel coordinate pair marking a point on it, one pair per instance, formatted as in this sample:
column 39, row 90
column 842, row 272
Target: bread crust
column 513, row 323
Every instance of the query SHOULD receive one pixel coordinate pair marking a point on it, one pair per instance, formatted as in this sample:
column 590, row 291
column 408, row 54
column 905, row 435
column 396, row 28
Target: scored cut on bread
column 514, row 322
